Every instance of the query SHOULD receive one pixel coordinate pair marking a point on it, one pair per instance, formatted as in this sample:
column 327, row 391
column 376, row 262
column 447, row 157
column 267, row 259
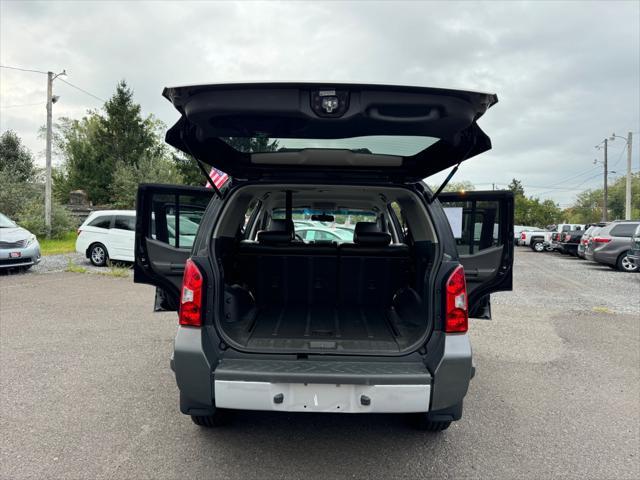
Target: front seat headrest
column 279, row 231
column 368, row 233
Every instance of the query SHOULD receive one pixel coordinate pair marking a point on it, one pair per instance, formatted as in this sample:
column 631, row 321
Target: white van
column 107, row 235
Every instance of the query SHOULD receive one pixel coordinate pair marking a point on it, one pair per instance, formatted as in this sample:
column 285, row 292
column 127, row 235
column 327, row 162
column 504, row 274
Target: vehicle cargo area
column 289, row 286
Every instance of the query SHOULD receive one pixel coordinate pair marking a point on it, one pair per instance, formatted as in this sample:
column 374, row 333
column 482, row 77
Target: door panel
column 485, row 243
column 168, row 217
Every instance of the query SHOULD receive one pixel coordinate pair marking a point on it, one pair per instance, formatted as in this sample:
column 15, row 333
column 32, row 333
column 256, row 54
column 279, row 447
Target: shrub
column 14, row 195
column 31, row 217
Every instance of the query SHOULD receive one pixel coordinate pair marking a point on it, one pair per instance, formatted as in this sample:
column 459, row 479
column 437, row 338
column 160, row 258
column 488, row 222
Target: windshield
column 5, row 222
column 404, row 146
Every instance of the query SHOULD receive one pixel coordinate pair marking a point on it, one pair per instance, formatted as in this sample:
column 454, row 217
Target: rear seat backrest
column 280, row 271
column 367, row 272
column 371, row 269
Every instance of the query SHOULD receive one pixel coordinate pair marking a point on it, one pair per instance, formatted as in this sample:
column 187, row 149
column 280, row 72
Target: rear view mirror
column 322, row 218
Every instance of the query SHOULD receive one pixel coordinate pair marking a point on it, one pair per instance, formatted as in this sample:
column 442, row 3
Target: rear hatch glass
column 255, row 130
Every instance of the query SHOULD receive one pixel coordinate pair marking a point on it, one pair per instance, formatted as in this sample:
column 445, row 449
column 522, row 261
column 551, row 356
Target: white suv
column 107, row 234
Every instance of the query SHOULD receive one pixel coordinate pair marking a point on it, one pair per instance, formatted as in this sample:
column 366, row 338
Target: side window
column 250, row 218
column 175, row 218
column 399, row 222
column 101, row 222
column 125, row 222
column 623, row 230
column 475, row 225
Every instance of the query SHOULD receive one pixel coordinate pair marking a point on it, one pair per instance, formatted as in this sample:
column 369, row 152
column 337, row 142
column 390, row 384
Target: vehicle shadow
column 328, row 445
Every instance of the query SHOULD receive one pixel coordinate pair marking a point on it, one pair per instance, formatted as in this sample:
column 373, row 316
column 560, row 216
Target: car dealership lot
column 87, row 391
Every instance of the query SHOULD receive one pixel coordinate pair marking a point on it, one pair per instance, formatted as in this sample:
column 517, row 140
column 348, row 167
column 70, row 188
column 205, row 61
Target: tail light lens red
column 601, row 240
column 457, row 315
column 523, row 236
column 190, row 312
column 567, row 238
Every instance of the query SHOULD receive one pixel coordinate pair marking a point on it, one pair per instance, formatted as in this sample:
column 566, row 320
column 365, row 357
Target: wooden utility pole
column 47, row 188
column 606, row 189
column 627, row 198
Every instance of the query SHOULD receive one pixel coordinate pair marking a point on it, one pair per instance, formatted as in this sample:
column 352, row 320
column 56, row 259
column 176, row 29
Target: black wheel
column 537, row 246
column 98, row 254
column 218, row 419
column 624, row 264
column 421, row 422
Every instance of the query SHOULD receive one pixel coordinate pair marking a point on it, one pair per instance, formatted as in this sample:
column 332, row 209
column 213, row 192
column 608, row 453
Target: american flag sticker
column 218, row 177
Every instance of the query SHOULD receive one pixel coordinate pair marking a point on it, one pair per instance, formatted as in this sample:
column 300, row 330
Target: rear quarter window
column 101, row 222
column 623, row 230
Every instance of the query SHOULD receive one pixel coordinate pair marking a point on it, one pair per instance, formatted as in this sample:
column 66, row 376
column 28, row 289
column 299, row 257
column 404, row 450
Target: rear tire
column 422, row 422
column 625, row 265
column 98, row 255
column 218, row 419
column 537, row 246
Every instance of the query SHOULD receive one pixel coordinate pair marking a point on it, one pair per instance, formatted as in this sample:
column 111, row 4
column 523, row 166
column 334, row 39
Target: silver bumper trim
column 318, row 397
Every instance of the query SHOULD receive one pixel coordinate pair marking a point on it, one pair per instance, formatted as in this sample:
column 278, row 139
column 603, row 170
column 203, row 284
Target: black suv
column 373, row 319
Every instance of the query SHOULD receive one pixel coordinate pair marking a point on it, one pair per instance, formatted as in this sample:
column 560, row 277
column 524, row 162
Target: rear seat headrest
column 368, row 233
column 280, row 231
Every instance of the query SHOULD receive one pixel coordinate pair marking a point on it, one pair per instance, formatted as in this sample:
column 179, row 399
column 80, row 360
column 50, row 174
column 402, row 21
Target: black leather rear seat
column 279, row 270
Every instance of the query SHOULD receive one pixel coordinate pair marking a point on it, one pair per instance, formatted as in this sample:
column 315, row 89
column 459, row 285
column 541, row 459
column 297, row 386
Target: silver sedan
column 19, row 248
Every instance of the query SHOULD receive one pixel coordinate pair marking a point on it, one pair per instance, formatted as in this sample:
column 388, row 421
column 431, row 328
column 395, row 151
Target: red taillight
column 191, row 296
column 457, row 316
column 601, row 240
column 523, row 236
column 567, row 238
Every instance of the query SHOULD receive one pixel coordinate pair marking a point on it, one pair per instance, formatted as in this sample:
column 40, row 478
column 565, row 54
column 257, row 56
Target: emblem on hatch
column 329, row 104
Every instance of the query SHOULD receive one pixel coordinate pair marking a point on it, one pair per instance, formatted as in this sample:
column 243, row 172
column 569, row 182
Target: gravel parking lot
column 86, row 391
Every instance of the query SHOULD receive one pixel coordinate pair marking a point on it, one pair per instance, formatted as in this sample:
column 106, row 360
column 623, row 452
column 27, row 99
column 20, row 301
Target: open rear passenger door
column 167, row 221
column 482, row 225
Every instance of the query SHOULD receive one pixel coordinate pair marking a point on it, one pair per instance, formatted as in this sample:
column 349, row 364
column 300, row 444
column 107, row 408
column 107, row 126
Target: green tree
column 149, row 169
column 188, row 169
column 103, row 141
column 16, row 160
column 464, row 186
column 516, row 187
column 587, row 207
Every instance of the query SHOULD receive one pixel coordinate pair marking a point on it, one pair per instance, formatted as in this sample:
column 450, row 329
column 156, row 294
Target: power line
column 23, row 69
column 574, row 176
column 577, row 187
column 23, row 105
column 82, row 90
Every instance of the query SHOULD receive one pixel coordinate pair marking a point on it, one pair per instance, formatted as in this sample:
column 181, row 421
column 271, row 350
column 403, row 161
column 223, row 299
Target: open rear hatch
column 253, row 131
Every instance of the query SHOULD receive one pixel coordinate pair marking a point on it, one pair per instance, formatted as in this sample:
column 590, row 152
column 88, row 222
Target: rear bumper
column 375, row 385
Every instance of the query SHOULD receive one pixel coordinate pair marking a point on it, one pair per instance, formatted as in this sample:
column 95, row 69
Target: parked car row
column 616, row 244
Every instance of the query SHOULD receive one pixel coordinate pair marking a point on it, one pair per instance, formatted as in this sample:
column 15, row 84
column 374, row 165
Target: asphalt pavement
column 86, row 391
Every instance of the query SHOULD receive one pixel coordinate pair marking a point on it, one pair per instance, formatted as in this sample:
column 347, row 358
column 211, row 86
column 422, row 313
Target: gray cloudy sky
column 567, row 73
